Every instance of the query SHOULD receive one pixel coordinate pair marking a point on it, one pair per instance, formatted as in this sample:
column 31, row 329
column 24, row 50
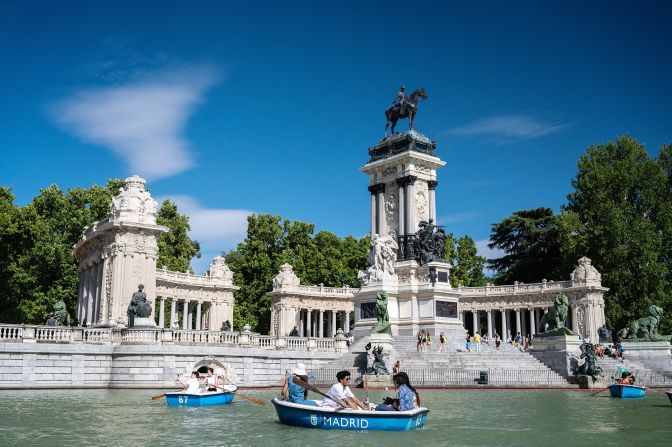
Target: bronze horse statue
column 410, row 108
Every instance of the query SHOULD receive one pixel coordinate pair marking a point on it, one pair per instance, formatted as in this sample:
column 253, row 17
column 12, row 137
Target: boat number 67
column 183, row 399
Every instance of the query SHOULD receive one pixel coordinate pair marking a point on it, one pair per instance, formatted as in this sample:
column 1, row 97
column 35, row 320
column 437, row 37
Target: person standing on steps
column 477, row 341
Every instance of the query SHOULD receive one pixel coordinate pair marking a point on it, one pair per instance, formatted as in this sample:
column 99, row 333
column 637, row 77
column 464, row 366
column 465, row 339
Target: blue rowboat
column 298, row 415
column 627, row 391
column 184, row 399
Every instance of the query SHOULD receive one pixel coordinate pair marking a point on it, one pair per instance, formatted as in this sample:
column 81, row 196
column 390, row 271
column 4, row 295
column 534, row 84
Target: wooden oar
column 159, row 396
column 310, row 387
column 250, row 398
column 603, row 389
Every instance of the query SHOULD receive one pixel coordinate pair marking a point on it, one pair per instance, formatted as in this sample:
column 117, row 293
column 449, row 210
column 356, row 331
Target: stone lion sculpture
column 646, row 328
column 556, row 318
column 61, row 314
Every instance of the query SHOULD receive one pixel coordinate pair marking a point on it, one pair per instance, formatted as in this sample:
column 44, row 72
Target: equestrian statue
column 404, row 107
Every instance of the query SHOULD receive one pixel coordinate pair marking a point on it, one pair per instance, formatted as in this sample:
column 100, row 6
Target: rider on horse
column 401, row 98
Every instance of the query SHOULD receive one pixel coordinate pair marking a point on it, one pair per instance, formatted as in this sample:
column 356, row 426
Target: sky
column 233, row 108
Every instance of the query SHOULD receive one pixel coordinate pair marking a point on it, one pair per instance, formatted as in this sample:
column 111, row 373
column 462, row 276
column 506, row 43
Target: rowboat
column 184, row 399
column 627, row 391
column 669, row 395
column 306, row 416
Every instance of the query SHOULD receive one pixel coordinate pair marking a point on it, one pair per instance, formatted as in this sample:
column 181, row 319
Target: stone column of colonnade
column 310, row 322
column 90, row 293
column 431, row 187
column 377, row 208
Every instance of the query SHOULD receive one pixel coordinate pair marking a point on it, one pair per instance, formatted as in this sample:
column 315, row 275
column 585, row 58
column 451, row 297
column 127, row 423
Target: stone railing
column 318, row 291
column 515, row 289
column 188, row 278
column 144, row 336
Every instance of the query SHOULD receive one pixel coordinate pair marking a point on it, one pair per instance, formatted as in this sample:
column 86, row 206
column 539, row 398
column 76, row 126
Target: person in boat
column 296, row 393
column 193, row 385
column 397, row 367
column 341, row 391
column 212, row 380
column 627, row 378
column 408, row 395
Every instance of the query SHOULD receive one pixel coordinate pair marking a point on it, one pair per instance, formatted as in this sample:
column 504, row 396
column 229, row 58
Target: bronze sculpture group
column 556, row 318
column 645, row 328
column 404, row 107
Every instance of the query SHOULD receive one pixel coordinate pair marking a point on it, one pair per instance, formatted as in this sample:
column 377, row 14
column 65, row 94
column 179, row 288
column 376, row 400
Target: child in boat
column 408, row 396
column 296, row 393
column 340, row 391
column 193, row 385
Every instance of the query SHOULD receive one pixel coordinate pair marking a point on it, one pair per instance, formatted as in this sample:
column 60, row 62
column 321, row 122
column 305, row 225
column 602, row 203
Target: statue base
column 558, row 353
column 385, row 341
column 587, row 382
column 143, row 323
column 655, row 355
column 378, row 381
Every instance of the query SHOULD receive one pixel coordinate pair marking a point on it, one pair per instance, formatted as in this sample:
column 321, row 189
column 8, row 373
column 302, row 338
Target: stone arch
column 222, row 369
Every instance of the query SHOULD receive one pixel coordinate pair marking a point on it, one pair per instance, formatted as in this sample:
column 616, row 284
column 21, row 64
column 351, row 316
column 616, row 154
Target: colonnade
column 311, row 322
column 523, row 320
column 190, row 308
column 90, row 293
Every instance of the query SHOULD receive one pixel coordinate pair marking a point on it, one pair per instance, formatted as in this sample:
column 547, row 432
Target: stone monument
column 643, row 343
column 139, row 310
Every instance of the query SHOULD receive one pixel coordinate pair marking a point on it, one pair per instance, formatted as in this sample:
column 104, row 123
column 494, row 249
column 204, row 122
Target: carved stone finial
column 134, row 203
column 585, row 274
column 286, row 277
column 219, row 269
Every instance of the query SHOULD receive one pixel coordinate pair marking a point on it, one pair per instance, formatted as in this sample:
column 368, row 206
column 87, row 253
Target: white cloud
column 458, row 217
column 507, row 128
column 142, row 122
column 487, row 252
column 216, row 229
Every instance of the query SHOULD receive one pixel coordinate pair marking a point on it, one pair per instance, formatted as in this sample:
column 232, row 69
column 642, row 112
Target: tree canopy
column 37, row 267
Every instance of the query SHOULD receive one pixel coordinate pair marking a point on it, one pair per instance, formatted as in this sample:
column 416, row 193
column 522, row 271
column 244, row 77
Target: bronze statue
column 226, row 326
column 383, row 324
column 61, row 314
column 404, row 107
column 556, row 318
column 138, row 307
column 646, row 328
column 378, row 366
column 429, row 242
column 589, row 367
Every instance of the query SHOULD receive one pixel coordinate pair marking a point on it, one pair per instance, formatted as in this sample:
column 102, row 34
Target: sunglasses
column 347, row 379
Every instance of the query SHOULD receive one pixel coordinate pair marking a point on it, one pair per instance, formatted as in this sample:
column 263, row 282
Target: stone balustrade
column 188, row 278
column 148, row 336
column 514, row 289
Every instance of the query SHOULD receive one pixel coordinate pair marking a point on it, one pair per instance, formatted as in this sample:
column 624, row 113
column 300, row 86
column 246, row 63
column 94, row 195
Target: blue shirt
column 406, row 397
column 296, row 393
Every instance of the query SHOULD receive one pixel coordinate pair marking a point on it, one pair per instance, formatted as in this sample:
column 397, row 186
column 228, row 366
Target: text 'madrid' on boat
column 627, row 391
column 307, row 416
column 184, row 399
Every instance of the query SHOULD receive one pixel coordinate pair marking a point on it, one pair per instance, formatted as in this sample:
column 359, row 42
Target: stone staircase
column 509, row 367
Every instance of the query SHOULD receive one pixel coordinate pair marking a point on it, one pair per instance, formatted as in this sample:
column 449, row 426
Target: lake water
column 457, row 418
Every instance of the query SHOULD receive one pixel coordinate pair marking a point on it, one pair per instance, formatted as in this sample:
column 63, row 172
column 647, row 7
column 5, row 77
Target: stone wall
column 52, row 365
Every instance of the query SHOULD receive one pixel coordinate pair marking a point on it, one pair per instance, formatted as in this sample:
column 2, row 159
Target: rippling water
column 457, row 418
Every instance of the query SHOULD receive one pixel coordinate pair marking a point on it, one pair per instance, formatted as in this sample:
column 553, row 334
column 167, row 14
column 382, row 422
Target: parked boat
column 298, row 415
column 627, row 391
column 184, row 399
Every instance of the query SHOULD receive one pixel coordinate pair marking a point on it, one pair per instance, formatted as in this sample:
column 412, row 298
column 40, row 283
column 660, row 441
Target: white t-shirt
column 339, row 392
column 193, row 385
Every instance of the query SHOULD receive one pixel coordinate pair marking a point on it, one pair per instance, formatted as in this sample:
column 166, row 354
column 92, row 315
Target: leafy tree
column 468, row 268
column 322, row 258
column 621, row 201
column 529, row 239
column 176, row 249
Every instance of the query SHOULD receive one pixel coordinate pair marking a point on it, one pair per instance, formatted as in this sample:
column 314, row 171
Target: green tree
column 621, row 206
column 468, row 265
column 529, row 239
column 323, row 258
column 176, row 249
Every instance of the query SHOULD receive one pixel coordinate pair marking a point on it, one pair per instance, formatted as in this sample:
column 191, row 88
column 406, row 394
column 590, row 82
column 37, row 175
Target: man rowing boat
column 296, row 393
column 340, row 391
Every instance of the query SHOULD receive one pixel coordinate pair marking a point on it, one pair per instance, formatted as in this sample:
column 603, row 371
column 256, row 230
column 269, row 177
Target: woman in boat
column 408, row 395
column 296, row 393
column 211, row 380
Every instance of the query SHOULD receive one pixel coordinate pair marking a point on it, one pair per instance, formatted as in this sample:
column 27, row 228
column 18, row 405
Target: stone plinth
column 558, row 353
column 586, row 382
column 143, row 322
column 378, row 381
column 653, row 354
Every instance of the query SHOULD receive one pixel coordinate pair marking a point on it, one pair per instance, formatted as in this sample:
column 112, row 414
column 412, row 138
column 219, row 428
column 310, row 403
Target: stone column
column 518, row 328
column 575, row 321
column 198, row 315
column 346, row 322
column 80, row 296
column 431, row 186
column 475, row 323
column 373, row 210
column 321, row 328
column 410, row 205
column 301, row 323
column 185, row 316
column 382, row 222
column 162, row 315
column 537, row 319
column 402, row 209
column 504, row 324
column 190, row 320
column 92, row 292
column 532, row 326
column 309, row 323
column 489, row 323
column 173, row 311
column 333, row 323
column 523, row 323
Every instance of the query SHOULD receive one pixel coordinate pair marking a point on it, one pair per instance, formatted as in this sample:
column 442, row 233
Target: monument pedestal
column 558, row 352
column 652, row 354
column 144, row 323
column 586, row 382
column 386, row 341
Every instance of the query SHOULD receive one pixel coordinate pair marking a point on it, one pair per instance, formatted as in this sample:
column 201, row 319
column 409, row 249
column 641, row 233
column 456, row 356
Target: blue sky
column 269, row 107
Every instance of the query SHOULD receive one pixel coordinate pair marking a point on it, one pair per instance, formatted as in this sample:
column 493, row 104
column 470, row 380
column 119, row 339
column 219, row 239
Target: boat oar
column 160, row 396
column 250, row 398
column 310, row 387
column 603, row 389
